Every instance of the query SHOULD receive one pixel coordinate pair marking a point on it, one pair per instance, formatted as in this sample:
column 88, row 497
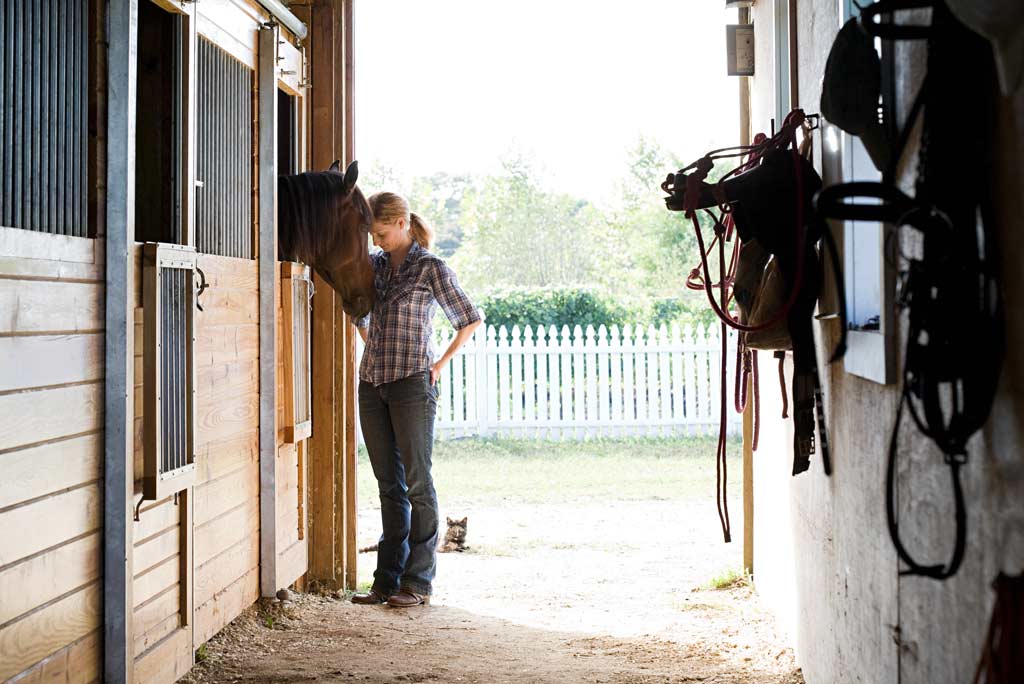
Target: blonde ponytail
column 387, row 207
column 421, row 231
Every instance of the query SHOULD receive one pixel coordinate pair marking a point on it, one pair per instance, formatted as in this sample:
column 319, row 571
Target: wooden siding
column 51, row 404
column 226, row 494
column 227, row 432
column 51, row 412
column 290, row 483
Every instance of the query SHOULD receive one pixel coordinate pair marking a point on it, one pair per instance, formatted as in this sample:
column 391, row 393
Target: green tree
column 661, row 245
column 517, row 234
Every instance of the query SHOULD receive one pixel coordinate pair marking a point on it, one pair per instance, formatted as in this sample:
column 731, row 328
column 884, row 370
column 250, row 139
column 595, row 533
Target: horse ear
column 351, row 174
column 336, row 166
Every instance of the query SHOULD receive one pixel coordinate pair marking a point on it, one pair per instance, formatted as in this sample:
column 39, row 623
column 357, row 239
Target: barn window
column 159, row 165
column 288, row 153
column 869, row 275
column 224, row 184
column 44, row 96
column 296, row 294
column 169, row 294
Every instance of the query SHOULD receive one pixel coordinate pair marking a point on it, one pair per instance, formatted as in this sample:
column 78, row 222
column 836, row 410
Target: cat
column 454, row 538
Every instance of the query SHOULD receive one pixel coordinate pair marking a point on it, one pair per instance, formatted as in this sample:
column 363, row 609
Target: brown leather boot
column 370, row 598
column 406, row 598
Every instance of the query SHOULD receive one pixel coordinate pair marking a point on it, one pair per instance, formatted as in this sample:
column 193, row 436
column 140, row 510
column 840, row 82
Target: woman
column 398, row 395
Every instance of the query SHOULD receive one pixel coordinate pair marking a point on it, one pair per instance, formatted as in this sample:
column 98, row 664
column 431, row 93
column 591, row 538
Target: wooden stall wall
column 51, row 418
column 225, row 525
column 225, row 519
column 51, row 431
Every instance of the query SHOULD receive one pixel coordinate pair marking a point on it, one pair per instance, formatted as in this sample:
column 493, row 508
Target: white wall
column 823, row 558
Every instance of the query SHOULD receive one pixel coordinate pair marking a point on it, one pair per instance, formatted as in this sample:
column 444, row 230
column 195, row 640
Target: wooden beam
column 119, row 413
column 748, row 415
column 348, row 329
column 348, row 55
column 325, row 555
column 268, row 36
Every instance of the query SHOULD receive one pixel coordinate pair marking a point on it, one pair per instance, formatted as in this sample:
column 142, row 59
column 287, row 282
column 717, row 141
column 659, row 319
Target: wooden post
column 748, row 415
column 332, row 449
column 349, row 358
column 119, row 411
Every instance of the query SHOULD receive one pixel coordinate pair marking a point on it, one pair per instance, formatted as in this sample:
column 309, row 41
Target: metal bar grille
column 174, row 385
column 43, row 98
column 300, row 348
column 223, row 201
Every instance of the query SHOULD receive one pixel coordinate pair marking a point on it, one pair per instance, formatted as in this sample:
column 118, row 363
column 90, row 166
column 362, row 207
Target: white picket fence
column 545, row 384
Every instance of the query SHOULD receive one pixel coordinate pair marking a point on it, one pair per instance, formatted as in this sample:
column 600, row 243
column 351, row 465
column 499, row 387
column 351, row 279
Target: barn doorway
column 586, row 475
column 593, row 545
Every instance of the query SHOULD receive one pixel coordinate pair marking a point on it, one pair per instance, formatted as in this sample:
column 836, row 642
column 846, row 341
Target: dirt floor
column 604, row 592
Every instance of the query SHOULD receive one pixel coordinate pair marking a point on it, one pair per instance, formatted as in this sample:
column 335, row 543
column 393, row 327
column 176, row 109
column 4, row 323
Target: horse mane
column 311, row 218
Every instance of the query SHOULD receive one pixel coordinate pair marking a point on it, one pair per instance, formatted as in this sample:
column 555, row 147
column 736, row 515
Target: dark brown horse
column 323, row 221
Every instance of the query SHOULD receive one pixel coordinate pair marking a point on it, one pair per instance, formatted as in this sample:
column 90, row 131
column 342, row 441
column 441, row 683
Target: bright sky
column 451, row 85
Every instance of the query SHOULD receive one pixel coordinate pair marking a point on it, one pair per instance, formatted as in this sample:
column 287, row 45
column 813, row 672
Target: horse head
column 323, row 220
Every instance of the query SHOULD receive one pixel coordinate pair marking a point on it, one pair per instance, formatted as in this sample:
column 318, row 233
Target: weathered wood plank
column 147, row 618
column 35, row 306
column 144, row 641
column 148, row 584
column 287, row 496
column 230, row 419
column 46, row 414
column 216, row 383
column 325, row 559
column 39, row 525
column 44, row 632
column 167, row 661
column 227, row 307
column 224, row 344
column 226, row 605
column 229, row 273
column 42, row 269
column 216, row 459
column 154, row 517
column 79, row 663
column 38, row 361
column 222, row 570
column 37, row 471
column 31, row 245
column 349, row 443
column 224, row 532
column 213, row 499
column 292, row 563
column 41, row 579
column 156, row 550
column 138, row 454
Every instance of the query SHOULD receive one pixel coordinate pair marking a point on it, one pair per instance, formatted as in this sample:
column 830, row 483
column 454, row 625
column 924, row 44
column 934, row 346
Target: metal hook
column 202, row 287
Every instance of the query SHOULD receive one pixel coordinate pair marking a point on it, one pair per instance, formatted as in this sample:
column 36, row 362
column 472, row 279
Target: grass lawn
column 497, row 471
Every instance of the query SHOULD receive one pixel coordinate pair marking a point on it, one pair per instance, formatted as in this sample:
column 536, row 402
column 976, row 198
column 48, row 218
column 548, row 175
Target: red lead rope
column 700, row 277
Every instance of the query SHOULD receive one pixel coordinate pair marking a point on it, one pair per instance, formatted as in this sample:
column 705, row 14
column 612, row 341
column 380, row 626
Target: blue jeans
column 398, row 427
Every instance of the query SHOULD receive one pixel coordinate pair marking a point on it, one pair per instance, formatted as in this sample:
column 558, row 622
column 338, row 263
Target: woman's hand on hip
column 435, row 373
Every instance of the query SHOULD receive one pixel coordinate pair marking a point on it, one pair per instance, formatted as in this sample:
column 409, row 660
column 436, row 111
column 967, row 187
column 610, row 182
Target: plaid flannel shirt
column 400, row 340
